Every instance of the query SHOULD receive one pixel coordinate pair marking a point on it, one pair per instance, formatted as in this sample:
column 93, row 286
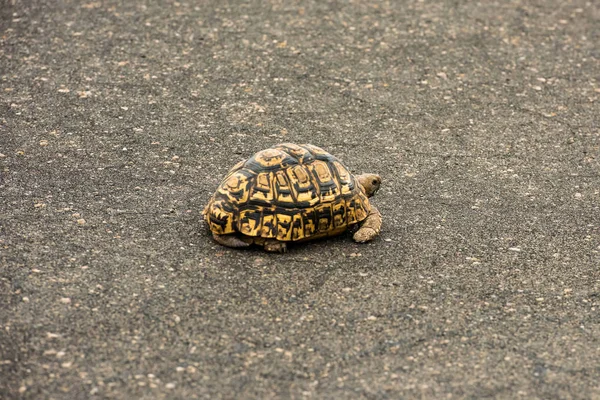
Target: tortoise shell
column 288, row 192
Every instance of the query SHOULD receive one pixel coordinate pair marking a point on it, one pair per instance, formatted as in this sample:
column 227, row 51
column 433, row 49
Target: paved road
column 118, row 119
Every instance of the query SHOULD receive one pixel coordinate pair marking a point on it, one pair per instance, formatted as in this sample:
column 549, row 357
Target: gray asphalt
column 118, row 119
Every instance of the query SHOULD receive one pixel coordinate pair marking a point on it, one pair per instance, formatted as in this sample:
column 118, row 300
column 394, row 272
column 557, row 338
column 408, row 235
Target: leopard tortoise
column 291, row 193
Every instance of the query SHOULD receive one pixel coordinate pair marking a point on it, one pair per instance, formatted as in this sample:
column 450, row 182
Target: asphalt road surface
column 119, row 118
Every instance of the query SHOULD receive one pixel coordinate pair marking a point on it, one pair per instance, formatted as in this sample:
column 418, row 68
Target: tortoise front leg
column 230, row 240
column 369, row 228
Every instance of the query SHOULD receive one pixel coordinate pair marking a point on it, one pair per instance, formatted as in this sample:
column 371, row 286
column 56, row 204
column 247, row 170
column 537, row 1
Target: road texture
column 118, row 119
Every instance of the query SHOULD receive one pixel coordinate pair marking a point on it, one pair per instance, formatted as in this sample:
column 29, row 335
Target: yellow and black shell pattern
column 288, row 192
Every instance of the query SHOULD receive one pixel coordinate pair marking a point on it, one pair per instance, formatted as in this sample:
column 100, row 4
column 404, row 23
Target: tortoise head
column 370, row 182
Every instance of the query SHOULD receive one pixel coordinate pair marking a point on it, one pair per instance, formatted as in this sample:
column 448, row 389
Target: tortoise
column 291, row 193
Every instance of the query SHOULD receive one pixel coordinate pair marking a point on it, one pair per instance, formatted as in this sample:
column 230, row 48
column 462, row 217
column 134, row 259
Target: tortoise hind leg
column 275, row 246
column 370, row 227
column 230, row 241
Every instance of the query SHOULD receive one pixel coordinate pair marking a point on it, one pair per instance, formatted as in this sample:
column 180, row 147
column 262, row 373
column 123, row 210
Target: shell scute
column 249, row 222
column 302, row 154
column 269, row 224
column 284, row 226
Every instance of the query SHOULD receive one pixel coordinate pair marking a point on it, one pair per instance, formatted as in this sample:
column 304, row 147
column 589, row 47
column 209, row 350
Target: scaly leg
column 369, row 228
column 275, row 246
column 231, row 241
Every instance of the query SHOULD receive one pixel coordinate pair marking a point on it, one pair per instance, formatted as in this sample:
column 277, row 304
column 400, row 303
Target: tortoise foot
column 364, row 235
column 230, row 241
column 275, row 246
